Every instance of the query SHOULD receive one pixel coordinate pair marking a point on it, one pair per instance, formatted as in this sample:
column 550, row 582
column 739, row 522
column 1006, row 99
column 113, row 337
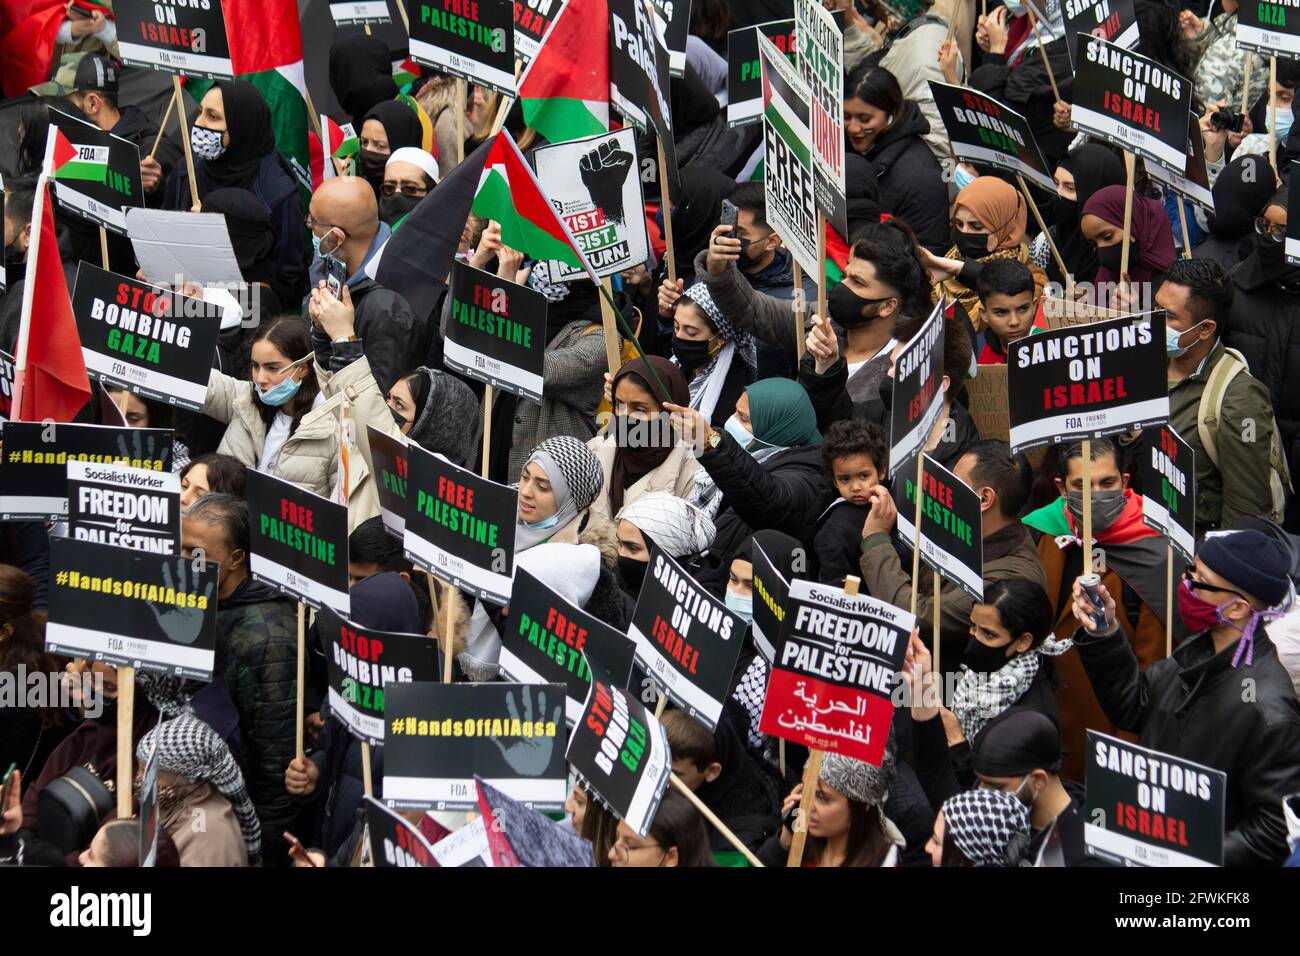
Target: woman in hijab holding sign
column 233, row 144
column 1151, row 243
column 638, row 450
column 988, row 222
column 1078, row 177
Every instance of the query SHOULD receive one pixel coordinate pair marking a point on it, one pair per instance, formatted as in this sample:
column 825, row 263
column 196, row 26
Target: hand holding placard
column 823, row 343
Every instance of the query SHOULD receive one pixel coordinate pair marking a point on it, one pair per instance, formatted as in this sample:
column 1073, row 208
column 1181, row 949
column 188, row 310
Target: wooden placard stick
column 1042, row 51
column 125, row 740
column 367, row 775
column 302, row 677
column 669, row 259
column 1272, row 114
column 489, row 393
column 712, row 817
column 185, row 141
column 448, row 637
column 916, row 539
column 798, row 313
column 460, row 120
column 1169, row 600
column 162, row 128
column 613, row 356
column 1245, row 84
column 1038, row 218
column 103, row 246
column 938, row 606
column 1087, row 507
column 1128, row 217
column 1182, row 221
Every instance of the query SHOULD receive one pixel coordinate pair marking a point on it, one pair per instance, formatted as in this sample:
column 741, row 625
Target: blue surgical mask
column 736, row 430
column 279, row 395
column 1284, row 120
column 963, row 178
column 740, row 605
column 1172, row 336
column 550, row 522
column 316, row 245
column 1014, row 8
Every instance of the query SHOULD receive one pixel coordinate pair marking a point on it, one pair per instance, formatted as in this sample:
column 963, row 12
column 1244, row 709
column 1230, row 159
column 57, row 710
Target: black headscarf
column 249, row 222
column 698, row 210
column 361, row 74
column 1240, row 192
column 248, row 120
column 400, row 124
column 1094, row 167
column 630, row 464
column 691, row 102
column 863, row 191
column 1015, row 743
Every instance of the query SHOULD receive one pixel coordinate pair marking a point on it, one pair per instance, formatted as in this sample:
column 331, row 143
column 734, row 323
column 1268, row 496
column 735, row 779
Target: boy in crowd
column 856, row 457
column 1006, row 291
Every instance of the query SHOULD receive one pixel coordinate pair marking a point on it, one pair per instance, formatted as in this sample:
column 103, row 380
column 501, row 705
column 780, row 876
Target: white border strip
column 1115, row 129
column 290, row 581
column 158, row 382
column 1126, row 848
column 136, row 651
column 1111, row 420
column 440, row 793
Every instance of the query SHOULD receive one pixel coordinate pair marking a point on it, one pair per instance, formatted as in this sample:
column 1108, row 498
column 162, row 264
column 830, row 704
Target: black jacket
column 390, row 335
column 838, row 541
column 1244, row 721
column 911, row 182
column 744, row 797
column 1027, row 89
column 785, row 492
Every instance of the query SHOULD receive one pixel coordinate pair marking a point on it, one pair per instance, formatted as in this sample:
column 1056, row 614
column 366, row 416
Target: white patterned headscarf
column 679, row 528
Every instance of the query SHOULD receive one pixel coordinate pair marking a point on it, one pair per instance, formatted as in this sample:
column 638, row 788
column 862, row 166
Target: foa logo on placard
column 75, row 909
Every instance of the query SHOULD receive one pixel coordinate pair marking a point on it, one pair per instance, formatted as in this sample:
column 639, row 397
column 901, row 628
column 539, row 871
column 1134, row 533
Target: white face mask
column 741, row 605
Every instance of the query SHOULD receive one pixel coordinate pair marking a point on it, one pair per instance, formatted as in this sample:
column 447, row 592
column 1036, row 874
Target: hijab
column 1149, row 228
column 576, row 479
column 1094, row 167
column 698, row 210
column 998, row 205
column 1240, row 193
column 679, row 528
column 400, row 124
column 781, row 415
column 252, row 139
column 361, row 74
column 707, row 383
column 249, row 222
column 631, row 463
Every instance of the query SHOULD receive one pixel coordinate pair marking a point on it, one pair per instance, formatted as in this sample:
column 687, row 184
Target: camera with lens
column 1227, row 119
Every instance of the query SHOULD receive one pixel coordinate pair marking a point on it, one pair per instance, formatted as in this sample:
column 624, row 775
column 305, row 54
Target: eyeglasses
column 406, row 189
column 623, row 853
column 1189, row 575
column 311, row 224
column 1271, row 230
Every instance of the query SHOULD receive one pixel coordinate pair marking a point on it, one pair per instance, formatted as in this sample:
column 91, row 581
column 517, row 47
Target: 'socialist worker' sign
column 299, row 542
column 1132, row 101
column 362, row 663
column 1087, row 381
column 545, row 639
column 135, row 335
column 130, row 608
column 474, row 39
column 179, row 36
column 686, row 639
column 460, row 526
column 496, row 331
column 620, row 753
column 1146, row 808
column 125, row 507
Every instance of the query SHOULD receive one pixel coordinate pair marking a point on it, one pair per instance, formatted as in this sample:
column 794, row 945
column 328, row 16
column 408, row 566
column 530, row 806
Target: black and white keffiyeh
column 190, row 748
column 978, row 697
column 678, row 527
column 749, row 693
column 576, row 479
column 983, row 823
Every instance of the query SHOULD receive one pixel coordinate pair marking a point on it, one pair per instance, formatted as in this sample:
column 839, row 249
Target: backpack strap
column 1210, row 409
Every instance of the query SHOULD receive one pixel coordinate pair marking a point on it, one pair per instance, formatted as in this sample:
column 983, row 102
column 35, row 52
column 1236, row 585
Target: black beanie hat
column 1015, row 743
column 1250, row 560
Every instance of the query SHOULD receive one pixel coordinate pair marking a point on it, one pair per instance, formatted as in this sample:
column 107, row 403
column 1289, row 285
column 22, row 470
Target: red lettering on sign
column 456, row 494
column 1084, row 393
column 297, row 516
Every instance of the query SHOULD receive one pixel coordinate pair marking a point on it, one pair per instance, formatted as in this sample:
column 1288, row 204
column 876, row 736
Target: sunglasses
column 406, row 189
column 1189, row 575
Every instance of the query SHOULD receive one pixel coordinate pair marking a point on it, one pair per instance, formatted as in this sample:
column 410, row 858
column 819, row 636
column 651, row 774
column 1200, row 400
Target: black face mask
column 632, row 572
column 1065, row 213
column 393, row 208
column 372, row 166
column 1109, row 257
column 972, row 245
column 690, row 354
column 15, row 264
column 401, row 422
column 849, row 309
column 983, row 659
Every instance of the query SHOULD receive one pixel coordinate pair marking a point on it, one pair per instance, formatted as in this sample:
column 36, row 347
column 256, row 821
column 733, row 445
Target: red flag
column 29, row 28
column 55, row 385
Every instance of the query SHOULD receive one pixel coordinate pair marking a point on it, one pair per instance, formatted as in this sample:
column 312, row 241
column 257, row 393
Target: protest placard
column 360, row 13
column 126, row 507
column 496, row 330
column 299, row 542
column 156, row 343
column 171, row 246
column 1263, row 26
column 1169, row 488
column 1194, row 184
column 393, row 840
column 744, row 75
column 771, row 590
column 918, row 391
column 520, row 836
column 188, row 39
column 6, row 386
column 1113, row 20
column 788, row 180
column 547, row 640
column 988, row 402
column 820, row 61
column 473, row 39
column 460, row 526
column 638, row 64
column 1292, row 242
column 389, row 457
column 620, row 754
column 951, row 538
column 1147, row 808
column 532, row 19
column 673, row 25
column 1132, row 101
column 440, row 736
column 34, row 476
column 986, row 132
column 362, row 663
column 835, row 670
column 467, row 846
column 96, row 174
column 687, row 640
column 594, row 188
column 1087, row 381
column 152, row 612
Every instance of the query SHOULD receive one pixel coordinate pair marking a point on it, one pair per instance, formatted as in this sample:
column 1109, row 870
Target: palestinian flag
column 565, row 90
column 343, row 143
column 73, row 161
column 266, row 50
column 509, row 194
column 787, row 112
